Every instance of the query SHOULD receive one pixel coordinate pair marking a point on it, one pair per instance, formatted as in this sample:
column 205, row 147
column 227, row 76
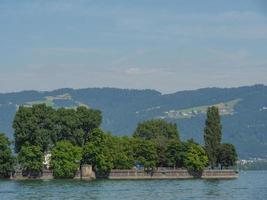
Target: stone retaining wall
column 171, row 174
column 86, row 173
column 219, row 174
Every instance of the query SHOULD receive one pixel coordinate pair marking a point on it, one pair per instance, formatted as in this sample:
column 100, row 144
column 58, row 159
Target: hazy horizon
column 167, row 46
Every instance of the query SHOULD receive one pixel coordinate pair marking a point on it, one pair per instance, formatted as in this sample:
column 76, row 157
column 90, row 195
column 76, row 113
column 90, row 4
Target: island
column 64, row 143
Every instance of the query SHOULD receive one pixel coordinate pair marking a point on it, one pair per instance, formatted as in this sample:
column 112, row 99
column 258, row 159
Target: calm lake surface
column 250, row 185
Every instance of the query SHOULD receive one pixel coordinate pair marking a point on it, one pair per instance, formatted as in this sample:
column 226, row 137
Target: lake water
column 250, row 185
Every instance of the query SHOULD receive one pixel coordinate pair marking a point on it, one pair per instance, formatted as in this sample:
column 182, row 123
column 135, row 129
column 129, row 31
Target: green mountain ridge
column 243, row 110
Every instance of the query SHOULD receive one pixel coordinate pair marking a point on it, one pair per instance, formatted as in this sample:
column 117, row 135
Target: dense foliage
column 98, row 151
column 41, row 127
column 145, row 153
column 33, row 125
column 6, row 158
column 65, row 160
column 227, row 156
column 123, row 156
column 196, row 158
column 74, row 137
column 31, row 159
column 175, row 154
column 44, row 126
column 156, row 128
column 160, row 132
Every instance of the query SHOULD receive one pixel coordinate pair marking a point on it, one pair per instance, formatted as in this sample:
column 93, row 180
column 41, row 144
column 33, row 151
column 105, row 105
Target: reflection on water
column 250, row 185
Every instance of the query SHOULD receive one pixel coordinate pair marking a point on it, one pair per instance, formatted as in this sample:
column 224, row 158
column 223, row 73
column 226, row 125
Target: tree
column 89, row 120
column 196, row 159
column 98, row 151
column 67, row 123
column 175, row 153
column 156, row 128
column 6, row 158
column 76, row 125
column 34, row 125
column 212, row 134
column 227, row 155
column 65, row 159
column 122, row 153
column 44, row 126
column 145, row 153
column 160, row 132
column 31, row 159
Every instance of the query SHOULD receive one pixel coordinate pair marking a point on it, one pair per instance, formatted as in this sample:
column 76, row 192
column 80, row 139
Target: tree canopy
column 31, row 159
column 145, row 153
column 98, row 151
column 6, row 158
column 196, row 158
column 65, row 159
column 175, row 154
column 40, row 128
column 122, row 153
column 160, row 132
column 227, row 155
column 44, row 126
column 156, row 129
column 33, row 125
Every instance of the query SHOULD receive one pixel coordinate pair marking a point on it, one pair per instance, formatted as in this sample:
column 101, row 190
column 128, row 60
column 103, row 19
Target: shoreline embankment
column 86, row 173
column 171, row 174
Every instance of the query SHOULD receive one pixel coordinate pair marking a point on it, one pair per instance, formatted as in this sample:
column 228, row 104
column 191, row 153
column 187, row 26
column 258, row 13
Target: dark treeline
column 69, row 138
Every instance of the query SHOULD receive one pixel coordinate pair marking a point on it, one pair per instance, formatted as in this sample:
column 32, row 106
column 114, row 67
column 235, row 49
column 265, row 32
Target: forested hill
column 243, row 110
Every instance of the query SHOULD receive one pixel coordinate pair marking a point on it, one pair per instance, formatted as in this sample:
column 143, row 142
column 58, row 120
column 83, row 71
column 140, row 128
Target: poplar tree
column 213, row 135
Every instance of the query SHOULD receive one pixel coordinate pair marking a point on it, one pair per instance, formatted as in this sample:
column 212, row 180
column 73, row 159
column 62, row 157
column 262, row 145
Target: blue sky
column 168, row 45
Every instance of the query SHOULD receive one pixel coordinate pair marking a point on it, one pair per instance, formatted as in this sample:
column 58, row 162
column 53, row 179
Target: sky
column 167, row 45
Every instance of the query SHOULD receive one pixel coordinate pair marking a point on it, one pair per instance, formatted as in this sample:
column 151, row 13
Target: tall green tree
column 227, row 155
column 65, row 159
column 145, row 153
column 175, row 153
column 196, row 159
column 75, row 125
column 31, row 159
column 34, row 125
column 213, row 134
column 89, row 119
column 122, row 153
column 160, row 132
column 6, row 158
column 98, row 151
column 66, row 123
